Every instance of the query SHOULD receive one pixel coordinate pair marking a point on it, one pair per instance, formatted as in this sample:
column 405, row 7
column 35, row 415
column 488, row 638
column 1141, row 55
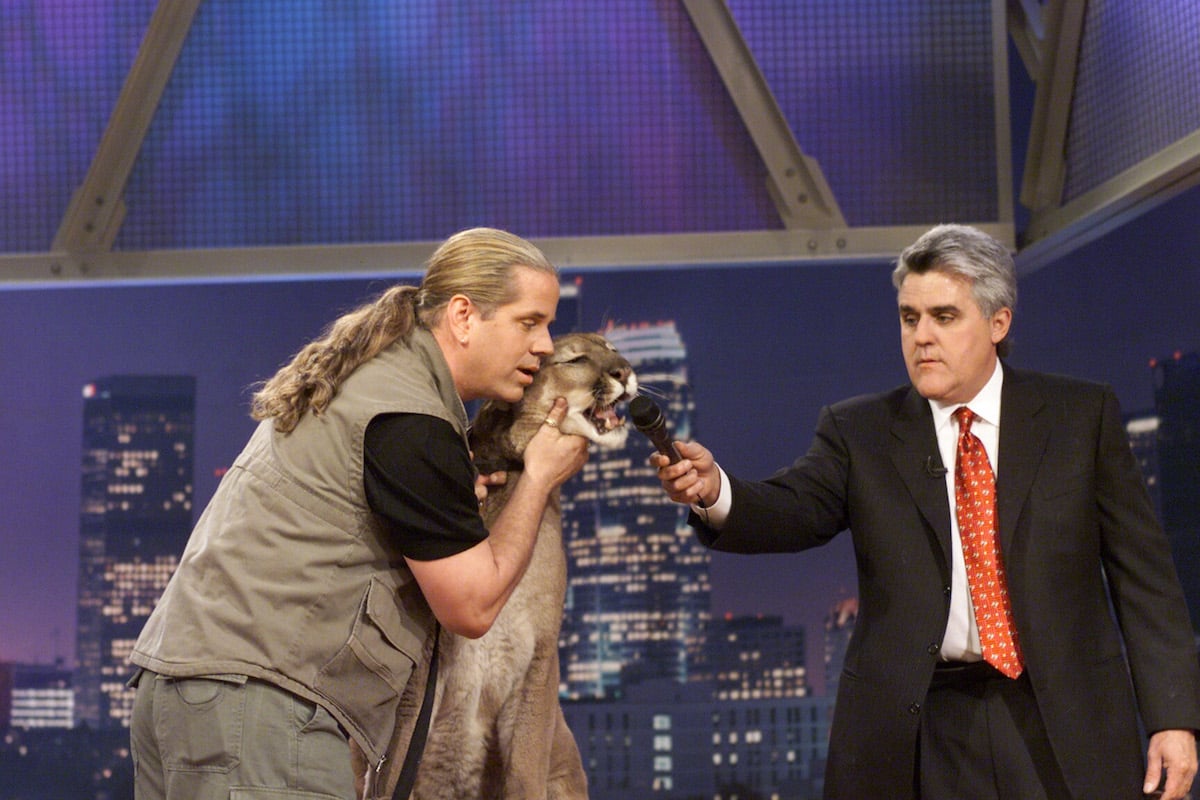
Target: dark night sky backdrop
column 767, row 347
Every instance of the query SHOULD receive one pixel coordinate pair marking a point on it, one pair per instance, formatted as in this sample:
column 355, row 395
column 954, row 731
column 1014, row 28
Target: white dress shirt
column 961, row 642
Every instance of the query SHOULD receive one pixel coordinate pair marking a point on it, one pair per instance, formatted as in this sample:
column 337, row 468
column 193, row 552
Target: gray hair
column 968, row 253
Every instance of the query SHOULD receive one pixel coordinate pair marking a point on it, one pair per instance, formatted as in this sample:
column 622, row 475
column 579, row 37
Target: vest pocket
column 367, row 675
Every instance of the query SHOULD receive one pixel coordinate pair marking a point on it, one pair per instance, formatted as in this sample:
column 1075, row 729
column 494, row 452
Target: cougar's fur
column 498, row 730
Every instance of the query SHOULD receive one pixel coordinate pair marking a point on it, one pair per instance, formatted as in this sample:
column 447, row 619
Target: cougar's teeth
column 605, row 418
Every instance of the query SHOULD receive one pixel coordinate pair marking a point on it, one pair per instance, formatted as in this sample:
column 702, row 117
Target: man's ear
column 1000, row 323
column 458, row 316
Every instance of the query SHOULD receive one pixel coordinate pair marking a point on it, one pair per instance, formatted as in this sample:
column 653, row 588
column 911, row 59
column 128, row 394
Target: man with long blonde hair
column 346, row 533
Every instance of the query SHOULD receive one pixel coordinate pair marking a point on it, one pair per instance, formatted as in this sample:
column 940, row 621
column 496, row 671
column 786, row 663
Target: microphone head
column 649, row 420
column 645, row 413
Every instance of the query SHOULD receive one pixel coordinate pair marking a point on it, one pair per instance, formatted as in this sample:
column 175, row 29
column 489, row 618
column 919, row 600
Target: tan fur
column 498, row 730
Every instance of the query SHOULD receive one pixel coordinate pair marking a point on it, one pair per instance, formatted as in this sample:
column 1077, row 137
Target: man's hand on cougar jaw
column 693, row 479
column 552, row 456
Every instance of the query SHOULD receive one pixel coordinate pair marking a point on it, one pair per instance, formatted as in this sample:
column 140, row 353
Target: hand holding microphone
column 686, row 488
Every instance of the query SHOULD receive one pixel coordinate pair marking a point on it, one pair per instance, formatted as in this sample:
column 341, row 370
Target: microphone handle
column 661, row 439
column 663, row 444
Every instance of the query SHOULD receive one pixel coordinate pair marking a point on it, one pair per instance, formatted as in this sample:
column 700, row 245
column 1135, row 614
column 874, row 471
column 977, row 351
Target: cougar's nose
column 620, row 373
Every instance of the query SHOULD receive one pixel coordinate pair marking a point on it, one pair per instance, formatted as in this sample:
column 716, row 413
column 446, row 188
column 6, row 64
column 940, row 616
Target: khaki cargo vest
column 289, row 578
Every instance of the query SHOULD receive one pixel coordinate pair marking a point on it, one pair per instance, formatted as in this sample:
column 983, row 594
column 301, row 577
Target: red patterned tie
column 975, row 499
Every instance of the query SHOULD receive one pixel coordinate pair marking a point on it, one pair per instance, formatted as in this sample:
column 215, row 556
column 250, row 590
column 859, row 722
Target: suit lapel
column 1024, row 431
column 913, row 444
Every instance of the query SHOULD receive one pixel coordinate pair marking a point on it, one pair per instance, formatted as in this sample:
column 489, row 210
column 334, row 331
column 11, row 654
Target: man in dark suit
column 1018, row 606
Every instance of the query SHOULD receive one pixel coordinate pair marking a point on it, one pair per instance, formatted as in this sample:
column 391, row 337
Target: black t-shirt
column 419, row 481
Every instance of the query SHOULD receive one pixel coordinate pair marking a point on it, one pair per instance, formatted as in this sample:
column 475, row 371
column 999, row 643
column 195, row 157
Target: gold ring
column 551, row 422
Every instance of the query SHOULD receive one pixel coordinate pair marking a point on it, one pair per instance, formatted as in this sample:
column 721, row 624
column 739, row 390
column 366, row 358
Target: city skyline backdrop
column 767, row 346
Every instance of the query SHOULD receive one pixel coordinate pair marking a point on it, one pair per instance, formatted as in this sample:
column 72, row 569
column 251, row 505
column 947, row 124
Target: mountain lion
column 497, row 729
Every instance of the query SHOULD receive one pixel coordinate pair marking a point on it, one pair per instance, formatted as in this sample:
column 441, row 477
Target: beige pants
column 229, row 737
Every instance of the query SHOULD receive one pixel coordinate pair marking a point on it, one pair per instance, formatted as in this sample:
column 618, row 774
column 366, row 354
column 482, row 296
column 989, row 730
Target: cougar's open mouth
column 603, row 416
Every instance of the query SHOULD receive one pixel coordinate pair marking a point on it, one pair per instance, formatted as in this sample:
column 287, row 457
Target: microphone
column 649, row 419
column 934, row 469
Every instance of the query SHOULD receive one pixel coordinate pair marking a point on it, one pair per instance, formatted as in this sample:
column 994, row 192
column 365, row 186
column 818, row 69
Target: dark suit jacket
column 1077, row 531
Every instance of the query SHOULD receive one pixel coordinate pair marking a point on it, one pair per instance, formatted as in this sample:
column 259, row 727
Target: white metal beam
column 97, row 207
column 1054, row 232
column 1028, row 33
column 795, row 181
column 1045, row 162
column 1003, row 112
column 781, row 247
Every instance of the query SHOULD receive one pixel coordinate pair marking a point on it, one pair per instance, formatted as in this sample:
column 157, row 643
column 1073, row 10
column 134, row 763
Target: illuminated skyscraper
column 41, row 696
column 756, row 658
column 134, row 522
column 664, row 739
column 637, row 577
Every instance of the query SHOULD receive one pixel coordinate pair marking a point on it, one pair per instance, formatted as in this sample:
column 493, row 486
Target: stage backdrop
column 766, row 348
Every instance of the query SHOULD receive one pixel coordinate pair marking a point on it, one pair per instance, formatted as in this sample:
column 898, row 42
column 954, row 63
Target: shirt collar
column 985, row 405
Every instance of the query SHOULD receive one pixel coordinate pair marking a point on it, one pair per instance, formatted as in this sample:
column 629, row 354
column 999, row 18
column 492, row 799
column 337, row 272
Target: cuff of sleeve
column 714, row 516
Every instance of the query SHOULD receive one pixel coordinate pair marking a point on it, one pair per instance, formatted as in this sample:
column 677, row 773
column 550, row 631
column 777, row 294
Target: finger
column 660, row 463
column 680, row 470
column 689, row 451
column 1153, row 776
column 557, row 412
